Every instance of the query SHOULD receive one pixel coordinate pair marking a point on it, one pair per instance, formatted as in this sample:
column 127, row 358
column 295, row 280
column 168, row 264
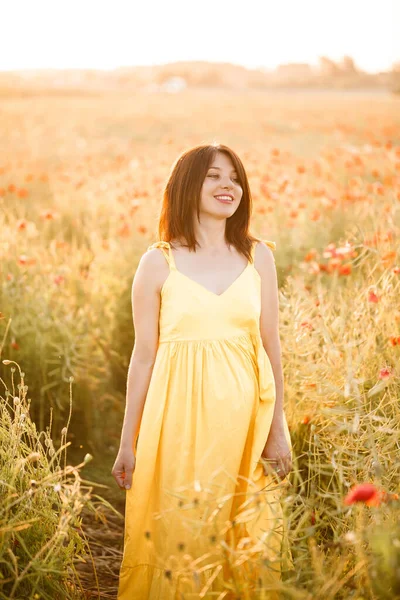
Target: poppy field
column 81, row 181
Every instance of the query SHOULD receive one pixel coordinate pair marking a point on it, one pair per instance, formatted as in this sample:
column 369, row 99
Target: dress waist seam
column 199, row 340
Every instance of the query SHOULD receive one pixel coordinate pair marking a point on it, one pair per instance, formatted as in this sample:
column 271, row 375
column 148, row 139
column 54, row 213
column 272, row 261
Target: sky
column 101, row 34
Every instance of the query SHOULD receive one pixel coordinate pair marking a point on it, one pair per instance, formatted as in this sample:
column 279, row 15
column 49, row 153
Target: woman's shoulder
column 263, row 254
column 153, row 257
column 266, row 243
column 151, row 271
column 174, row 244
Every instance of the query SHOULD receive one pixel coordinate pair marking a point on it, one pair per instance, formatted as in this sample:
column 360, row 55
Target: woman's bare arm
column 152, row 269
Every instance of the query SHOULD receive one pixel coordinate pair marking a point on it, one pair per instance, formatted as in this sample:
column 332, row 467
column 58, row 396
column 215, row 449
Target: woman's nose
column 227, row 184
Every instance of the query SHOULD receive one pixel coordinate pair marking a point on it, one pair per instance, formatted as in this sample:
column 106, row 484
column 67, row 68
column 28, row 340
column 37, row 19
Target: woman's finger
column 119, row 477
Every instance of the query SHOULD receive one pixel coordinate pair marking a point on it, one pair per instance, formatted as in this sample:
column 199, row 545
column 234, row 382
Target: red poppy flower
column 363, row 492
column 384, row 373
column 372, row 297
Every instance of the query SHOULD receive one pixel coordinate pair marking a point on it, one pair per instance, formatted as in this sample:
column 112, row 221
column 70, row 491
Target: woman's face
column 221, row 180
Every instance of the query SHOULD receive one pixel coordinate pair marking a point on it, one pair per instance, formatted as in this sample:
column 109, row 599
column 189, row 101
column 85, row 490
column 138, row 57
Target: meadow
column 81, row 181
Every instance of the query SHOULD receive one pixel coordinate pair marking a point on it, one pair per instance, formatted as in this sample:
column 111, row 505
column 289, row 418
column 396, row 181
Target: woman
column 205, row 389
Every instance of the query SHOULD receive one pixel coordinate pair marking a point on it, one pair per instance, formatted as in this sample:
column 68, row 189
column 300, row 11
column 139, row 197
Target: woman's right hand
column 124, row 467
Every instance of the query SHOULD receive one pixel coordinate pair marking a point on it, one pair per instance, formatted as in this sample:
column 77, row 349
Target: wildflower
column 48, row 215
column 389, row 258
column 311, row 254
column 124, row 231
column 384, row 373
column 350, row 537
column 372, row 297
column 57, row 487
column 21, row 224
column 345, row 269
column 23, row 259
column 367, row 493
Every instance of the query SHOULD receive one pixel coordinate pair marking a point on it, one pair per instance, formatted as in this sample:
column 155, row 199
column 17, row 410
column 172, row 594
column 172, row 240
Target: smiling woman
column 201, row 400
column 199, row 175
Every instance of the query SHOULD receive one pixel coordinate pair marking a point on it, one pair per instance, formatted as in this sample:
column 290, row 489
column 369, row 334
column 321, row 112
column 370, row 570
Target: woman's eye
column 234, row 178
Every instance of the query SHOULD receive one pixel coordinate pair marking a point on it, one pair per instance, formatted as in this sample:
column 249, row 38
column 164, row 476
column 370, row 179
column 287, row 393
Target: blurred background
column 97, row 100
column 170, row 46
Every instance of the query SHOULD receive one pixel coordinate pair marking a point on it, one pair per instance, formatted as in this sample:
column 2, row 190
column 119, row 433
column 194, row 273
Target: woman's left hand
column 276, row 456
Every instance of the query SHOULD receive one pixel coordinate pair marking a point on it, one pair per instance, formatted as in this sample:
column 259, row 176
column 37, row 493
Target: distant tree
column 395, row 77
column 348, row 65
column 328, row 66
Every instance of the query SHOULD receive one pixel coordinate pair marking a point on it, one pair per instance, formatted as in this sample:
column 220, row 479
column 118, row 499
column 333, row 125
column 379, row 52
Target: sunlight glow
column 88, row 34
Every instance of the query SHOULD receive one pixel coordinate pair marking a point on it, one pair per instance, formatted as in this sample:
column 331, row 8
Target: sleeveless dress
column 198, row 487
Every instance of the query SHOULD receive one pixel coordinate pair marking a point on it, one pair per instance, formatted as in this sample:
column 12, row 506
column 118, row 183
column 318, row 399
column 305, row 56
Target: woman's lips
column 224, row 200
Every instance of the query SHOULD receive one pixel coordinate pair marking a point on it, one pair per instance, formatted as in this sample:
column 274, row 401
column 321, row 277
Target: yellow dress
column 199, row 501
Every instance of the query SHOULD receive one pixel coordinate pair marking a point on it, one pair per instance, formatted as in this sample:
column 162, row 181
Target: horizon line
column 164, row 64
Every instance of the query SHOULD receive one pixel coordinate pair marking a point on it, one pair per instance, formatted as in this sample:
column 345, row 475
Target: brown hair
column 182, row 195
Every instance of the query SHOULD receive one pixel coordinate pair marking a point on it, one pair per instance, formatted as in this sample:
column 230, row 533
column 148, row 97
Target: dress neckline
column 163, row 245
column 173, row 266
column 200, row 285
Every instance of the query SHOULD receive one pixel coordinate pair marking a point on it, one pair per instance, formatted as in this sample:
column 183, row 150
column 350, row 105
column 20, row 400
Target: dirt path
column 105, row 540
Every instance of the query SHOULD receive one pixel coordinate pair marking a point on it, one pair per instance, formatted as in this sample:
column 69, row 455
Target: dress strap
column 269, row 243
column 164, row 246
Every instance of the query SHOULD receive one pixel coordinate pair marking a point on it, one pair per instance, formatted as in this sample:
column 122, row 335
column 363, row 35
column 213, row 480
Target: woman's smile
column 225, row 198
